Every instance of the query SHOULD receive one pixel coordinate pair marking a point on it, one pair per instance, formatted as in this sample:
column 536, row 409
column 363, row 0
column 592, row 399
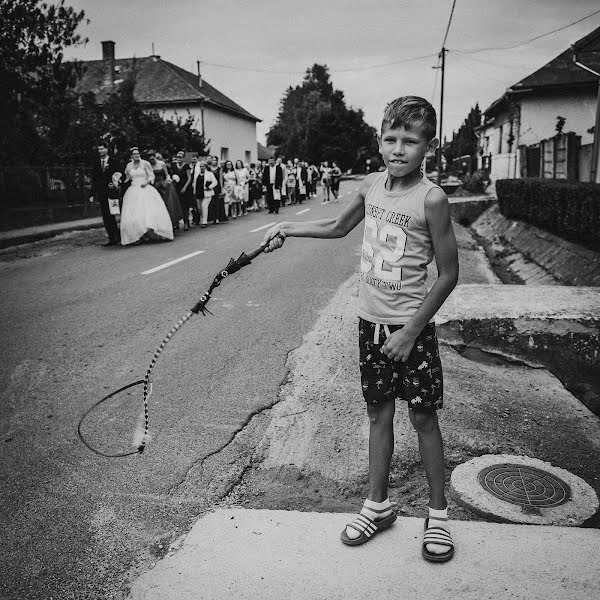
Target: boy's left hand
column 399, row 345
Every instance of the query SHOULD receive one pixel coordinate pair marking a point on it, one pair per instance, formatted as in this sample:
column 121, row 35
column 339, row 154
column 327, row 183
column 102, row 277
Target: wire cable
column 333, row 71
column 448, row 26
column 529, row 41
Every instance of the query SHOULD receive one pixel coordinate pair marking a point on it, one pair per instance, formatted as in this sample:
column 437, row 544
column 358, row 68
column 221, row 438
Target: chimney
column 199, row 74
column 108, row 57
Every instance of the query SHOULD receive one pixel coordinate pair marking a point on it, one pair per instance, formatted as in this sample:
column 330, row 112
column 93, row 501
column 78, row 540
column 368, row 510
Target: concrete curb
column 249, row 554
column 42, row 232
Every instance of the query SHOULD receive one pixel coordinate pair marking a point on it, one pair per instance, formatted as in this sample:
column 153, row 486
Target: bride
column 144, row 216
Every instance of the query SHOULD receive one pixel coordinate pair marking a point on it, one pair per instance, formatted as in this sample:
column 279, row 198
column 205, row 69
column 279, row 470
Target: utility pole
column 439, row 156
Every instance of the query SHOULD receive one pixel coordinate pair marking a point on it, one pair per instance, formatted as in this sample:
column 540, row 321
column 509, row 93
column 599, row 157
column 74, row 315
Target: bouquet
column 115, row 180
column 176, row 178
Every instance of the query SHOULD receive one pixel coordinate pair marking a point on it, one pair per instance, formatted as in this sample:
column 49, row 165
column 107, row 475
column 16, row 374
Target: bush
column 569, row 210
column 476, row 182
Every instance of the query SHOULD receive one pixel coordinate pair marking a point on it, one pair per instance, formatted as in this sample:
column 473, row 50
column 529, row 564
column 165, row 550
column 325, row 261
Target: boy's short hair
column 411, row 111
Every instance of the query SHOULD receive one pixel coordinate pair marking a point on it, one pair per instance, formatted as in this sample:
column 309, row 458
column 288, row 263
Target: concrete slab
column 249, row 554
column 489, row 301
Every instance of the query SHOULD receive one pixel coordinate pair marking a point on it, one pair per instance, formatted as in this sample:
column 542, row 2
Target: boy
column 407, row 223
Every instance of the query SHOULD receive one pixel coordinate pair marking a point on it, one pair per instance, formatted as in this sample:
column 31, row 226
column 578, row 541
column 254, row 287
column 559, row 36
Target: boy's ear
column 432, row 146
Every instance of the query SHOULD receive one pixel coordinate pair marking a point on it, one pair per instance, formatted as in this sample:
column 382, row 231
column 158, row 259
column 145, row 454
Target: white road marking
column 173, row 262
column 301, row 212
column 263, row 227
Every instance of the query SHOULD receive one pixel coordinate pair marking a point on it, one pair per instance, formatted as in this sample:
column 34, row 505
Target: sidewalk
column 25, row 235
column 317, row 434
column 272, row 555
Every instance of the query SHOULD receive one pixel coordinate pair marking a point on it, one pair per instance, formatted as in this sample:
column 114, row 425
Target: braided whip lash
column 200, row 307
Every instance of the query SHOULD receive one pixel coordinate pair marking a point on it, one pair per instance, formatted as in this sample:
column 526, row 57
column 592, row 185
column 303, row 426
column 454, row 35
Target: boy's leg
column 381, row 447
column 377, row 506
column 431, row 448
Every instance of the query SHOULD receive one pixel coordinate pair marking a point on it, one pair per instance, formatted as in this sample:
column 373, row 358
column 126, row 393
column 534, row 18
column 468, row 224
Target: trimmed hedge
column 569, row 210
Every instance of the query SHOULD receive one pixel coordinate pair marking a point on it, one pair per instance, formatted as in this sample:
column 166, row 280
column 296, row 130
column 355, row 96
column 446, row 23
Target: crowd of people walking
column 156, row 197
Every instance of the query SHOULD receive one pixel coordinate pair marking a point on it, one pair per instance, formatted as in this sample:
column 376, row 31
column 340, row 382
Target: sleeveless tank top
column 395, row 253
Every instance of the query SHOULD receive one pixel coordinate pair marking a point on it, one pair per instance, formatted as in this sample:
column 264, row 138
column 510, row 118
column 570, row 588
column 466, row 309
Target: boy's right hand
column 274, row 238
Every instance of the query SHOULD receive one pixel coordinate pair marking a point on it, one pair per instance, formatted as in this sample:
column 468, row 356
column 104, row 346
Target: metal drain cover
column 524, row 485
column 520, row 489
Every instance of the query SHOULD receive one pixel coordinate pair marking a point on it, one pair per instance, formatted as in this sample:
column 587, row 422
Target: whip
column 142, row 434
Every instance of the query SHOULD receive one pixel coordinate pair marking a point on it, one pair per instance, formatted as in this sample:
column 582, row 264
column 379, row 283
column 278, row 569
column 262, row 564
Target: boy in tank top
column 407, row 224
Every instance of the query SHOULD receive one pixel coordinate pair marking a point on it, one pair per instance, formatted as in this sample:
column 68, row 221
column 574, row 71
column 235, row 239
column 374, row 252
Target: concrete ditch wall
column 569, row 263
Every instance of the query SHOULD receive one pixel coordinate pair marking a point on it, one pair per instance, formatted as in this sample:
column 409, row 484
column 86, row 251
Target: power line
column 345, row 70
column 448, row 26
column 529, row 41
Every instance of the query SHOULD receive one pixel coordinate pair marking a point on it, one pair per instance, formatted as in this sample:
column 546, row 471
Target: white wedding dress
column 144, row 215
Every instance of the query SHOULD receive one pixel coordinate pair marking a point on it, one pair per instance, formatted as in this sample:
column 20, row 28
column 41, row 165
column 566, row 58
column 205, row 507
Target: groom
column 102, row 172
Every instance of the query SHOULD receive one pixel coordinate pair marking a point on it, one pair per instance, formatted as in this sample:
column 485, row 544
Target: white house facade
column 543, row 126
column 175, row 92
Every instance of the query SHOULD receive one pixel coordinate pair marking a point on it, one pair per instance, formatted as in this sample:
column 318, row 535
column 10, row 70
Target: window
column 500, row 135
column 224, row 153
column 248, row 156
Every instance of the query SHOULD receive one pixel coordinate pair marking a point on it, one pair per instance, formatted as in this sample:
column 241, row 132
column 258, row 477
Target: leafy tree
column 123, row 123
column 314, row 123
column 465, row 140
column 35, row 79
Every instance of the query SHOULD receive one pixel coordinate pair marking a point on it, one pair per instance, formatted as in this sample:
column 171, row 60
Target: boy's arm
column 437, row 214
column 346, row 221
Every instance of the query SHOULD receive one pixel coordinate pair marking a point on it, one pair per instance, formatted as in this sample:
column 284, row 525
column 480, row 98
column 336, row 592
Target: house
column 543, row 126
column 175, row 92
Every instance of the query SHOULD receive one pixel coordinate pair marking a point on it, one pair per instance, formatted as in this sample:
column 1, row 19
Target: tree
column 122, row 122
column 34, row 76
column 465, row 140
column 315, row 124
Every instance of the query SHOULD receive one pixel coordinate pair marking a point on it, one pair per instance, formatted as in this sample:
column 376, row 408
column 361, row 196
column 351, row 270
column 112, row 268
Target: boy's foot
column 373, row 517
column 437, row 541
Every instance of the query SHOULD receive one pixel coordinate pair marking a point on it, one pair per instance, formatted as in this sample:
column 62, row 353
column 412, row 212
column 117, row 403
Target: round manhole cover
column 522, row 489
column 524, row 485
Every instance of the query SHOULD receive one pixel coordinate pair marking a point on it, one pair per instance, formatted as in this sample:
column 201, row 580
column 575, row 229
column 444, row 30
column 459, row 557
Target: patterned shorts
column 418, row 381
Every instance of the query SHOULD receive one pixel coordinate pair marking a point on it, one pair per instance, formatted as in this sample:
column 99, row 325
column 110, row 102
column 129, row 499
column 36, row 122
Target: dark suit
column 272, row 204
column 100, row 180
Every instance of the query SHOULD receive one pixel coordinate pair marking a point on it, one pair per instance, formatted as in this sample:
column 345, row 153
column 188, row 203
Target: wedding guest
column 336, row 174
column 216, row 210
column 326, row 181
column 102, row 171
column 290, row 182
column 168, row 192
column 243, row 177
column 272, row 180
column 301, row 181
column 229, row 180
column 205, row 186
column 182, row 177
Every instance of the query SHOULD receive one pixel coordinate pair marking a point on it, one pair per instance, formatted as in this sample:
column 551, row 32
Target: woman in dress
column 182, row 176
column 326, row 181
column 336, row 174
column 229, row 182
column 290, row 182
column 165, row 187
column 242, row 172
column 144, row 216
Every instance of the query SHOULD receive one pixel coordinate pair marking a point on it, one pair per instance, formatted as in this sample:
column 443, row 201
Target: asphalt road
column 77, row 321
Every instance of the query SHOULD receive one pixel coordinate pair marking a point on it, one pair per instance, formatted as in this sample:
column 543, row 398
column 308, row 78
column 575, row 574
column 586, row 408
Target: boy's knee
column 423, row 422
column 380, row 411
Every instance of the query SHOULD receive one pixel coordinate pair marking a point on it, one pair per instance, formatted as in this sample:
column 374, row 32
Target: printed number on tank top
column 382, row 250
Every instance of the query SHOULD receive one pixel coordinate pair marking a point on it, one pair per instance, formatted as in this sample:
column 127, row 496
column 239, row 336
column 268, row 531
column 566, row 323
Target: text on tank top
column 395, row 253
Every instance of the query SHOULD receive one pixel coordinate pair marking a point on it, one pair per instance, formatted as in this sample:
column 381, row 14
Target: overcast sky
column 351, row 37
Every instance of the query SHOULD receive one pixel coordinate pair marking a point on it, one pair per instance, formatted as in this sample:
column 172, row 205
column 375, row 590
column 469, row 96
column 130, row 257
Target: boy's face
column 403, row 149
